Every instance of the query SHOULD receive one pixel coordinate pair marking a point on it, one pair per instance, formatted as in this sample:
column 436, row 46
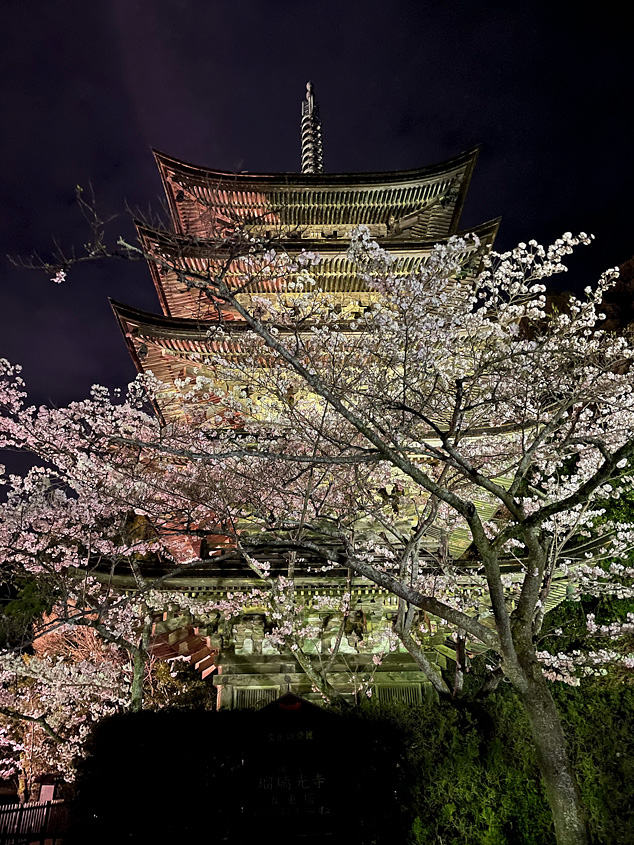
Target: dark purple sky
column 89, row 85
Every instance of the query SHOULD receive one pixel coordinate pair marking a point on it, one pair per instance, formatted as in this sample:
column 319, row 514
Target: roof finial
column 312, row 155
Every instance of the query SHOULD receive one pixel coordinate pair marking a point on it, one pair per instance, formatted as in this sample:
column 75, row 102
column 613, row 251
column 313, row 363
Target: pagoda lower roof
column 336, row 274
column 136, row 320
column 171, row 348
column 200, row 197
column 165, row 345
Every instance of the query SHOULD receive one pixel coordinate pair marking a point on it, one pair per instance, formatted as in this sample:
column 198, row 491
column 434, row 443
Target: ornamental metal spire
column 312, row 155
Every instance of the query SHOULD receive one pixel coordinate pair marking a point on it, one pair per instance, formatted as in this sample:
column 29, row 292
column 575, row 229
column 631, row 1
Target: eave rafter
column 335, row 274
column 200, row 198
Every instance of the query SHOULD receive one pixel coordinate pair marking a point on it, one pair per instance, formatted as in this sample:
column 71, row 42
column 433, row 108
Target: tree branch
column 40, row 720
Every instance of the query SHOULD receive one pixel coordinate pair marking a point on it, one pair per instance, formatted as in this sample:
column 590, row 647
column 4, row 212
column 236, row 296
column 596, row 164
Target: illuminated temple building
column 407, row 212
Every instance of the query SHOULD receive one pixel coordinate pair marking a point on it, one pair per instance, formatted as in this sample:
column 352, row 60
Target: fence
column 22, row 824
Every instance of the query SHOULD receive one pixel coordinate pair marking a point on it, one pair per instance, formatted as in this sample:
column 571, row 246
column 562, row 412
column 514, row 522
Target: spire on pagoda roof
column 312, row 153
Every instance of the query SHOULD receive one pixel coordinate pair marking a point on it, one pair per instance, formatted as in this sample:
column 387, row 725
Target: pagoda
column 407, row 212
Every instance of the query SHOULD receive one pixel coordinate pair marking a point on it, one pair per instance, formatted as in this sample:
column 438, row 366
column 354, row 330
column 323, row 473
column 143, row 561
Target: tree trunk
column 461, row 665
column 138, row 676
column 23, row 790
column 552, row 756
column 318, row 679
column 138, row 672
column 431, row 672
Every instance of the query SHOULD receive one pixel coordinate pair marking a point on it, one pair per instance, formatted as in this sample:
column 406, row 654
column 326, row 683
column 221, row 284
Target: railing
column 32, row 822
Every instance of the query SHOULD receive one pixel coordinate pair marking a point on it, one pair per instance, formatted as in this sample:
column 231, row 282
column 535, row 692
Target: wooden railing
column 32, row 822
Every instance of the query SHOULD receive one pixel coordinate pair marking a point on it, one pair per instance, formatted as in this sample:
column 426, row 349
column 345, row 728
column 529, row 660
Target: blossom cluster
column 439, row 431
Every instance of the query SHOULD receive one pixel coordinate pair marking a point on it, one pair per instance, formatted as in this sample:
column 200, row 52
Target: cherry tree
column 50, row 699
column 455, row 442
column 101, row 506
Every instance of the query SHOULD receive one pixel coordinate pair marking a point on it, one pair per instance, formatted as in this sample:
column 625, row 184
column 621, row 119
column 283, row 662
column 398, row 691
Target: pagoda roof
column 335, row 274
column 161, row 325
column 169, row 347
column 198, row 196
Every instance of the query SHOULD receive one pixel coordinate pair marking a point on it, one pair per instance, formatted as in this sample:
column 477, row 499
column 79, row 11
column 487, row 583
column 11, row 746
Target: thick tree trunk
column 552, row 756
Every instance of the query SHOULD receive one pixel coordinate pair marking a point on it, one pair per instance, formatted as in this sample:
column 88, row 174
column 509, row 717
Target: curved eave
column 125, row 319
column 164, row 345
column 173, row 170
column 184, row 246
column 161, row 324
column 176, row 300
column 386, row 178
column 147, row 241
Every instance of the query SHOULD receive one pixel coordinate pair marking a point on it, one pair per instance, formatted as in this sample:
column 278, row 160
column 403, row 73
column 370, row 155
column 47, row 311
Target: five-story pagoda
column 407, row 212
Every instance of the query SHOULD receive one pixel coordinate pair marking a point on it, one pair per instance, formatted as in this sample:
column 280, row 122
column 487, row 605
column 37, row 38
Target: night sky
column 88, row 86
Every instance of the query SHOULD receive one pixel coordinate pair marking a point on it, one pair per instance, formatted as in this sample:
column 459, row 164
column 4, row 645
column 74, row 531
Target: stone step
column 207, row 666
column 208, row 670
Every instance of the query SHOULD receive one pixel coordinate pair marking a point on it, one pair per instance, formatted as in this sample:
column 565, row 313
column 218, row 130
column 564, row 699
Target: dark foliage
column 469, row 775
column 22, row 603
